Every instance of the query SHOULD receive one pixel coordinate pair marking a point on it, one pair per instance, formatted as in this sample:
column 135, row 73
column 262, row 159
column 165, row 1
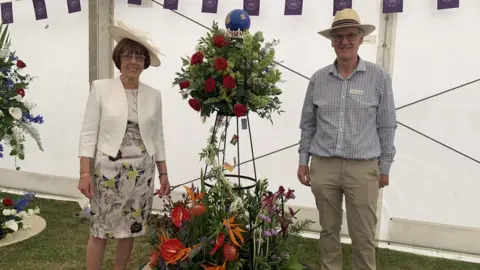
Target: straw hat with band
column 121, row 31
column 347, row 18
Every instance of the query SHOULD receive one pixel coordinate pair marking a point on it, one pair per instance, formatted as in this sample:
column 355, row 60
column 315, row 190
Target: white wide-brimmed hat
column 347, row 18
column 122, row 30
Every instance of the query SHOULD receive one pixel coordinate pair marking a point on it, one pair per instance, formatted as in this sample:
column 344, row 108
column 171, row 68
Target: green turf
column 62, row 246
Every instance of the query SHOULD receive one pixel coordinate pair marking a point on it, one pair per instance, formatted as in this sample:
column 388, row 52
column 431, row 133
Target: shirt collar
column 360, row 67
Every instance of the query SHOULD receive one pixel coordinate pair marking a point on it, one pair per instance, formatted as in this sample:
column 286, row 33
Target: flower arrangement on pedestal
column 12, row 213
column 223, row 227
column 231, row 72
column 16, row 118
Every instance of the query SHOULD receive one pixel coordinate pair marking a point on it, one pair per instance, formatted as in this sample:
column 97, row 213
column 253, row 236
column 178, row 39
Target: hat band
column 344, row 23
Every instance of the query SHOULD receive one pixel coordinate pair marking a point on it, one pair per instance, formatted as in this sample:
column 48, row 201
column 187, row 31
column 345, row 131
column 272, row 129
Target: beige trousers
column 331, row 178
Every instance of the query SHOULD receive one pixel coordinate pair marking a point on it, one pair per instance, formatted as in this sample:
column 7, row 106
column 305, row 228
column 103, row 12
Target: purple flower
column 269, row 233
column 264, row 218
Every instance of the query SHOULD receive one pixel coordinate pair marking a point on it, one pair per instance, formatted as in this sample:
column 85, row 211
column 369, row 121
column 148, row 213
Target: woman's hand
column 85, row 185
column 164, row 186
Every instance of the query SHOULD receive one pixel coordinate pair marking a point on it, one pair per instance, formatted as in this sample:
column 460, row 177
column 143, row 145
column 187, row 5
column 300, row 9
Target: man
column 347, row 126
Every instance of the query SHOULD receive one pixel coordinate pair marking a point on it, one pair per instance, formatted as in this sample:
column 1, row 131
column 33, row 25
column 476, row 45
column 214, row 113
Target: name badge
column 356, row 92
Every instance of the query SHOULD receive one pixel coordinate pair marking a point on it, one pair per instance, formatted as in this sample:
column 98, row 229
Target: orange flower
column 194, row 197
column 197, row 208
column 215, row 267
column 234, row 229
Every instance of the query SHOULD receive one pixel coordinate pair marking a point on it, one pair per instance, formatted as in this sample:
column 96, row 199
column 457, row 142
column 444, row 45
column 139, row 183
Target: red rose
column 195, row 104
column 21, row 92
column 21, row 64
column 7, row 202
column 184, row 84
column 220, row 64
column 197, row 58
column 210, row 85
column 239, row 109
column 228, row 82
column 219, row 42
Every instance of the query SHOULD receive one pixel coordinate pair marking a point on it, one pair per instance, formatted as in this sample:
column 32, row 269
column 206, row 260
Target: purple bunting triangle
column 135, row 2
column 446, row 4
column 392, row 6
column 170, row 4
column 74, row 6
column 293, row 7
column 341, row 4
column 209, row 6
column 252, row 7
column 40, row 9
column 7, row 13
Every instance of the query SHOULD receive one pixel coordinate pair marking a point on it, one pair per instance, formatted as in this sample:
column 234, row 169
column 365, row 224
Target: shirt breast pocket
column 362, row 105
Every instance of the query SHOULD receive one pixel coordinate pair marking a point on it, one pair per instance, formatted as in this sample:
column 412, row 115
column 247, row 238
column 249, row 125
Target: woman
column 122, row 134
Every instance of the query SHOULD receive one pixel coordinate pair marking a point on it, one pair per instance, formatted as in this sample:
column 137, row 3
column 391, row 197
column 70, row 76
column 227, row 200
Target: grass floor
column 62, row 246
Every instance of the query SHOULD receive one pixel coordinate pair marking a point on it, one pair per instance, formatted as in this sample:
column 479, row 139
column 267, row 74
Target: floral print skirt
column 123, row 189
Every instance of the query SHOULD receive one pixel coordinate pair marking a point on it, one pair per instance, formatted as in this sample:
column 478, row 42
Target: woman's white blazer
column 105, row 119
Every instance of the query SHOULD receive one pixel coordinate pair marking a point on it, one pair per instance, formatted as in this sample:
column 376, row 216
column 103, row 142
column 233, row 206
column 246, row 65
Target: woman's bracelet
column 83, row 174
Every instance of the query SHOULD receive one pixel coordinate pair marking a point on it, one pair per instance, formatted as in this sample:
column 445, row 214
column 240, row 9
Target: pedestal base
column 37, row 224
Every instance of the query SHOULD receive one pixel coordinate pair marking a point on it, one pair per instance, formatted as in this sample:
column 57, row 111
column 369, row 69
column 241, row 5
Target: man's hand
column 383, row 180
column 303, row 175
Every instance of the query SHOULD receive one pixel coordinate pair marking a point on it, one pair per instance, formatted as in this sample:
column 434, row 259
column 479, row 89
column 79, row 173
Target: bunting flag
column 446, row 4
column 341, row 4
column 40, row 9
column 252, row 7
column 170, row 4
column 392, row 6
column 7, row 13
column 74, row 6
column 293, row 7
column 209, row 6
column 135, row 2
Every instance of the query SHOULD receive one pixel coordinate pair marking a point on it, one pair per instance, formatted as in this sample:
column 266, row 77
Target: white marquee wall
column 435, row 51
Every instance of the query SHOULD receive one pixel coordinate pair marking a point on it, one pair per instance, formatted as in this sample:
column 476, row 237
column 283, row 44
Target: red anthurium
column 170, row 248
column 218, row 242
column 179, row 215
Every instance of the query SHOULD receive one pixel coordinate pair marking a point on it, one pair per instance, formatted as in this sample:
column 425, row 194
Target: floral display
column 16, row 117
column 221, row 223
column 225, row 227
column 12, row 213
column 231, row 74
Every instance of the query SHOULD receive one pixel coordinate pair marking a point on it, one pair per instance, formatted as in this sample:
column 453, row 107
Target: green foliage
column 250, row 62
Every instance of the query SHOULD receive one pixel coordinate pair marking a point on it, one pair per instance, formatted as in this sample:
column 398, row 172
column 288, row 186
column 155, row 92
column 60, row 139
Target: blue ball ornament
column 237, row 19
